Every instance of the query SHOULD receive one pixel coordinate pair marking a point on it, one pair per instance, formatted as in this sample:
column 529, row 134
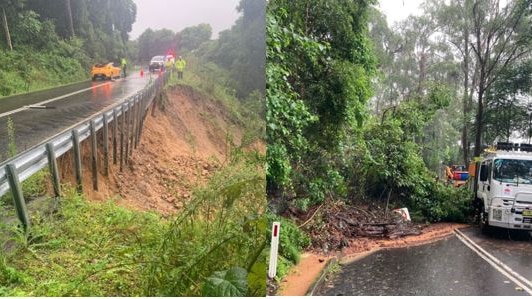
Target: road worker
column 448, row 172
column 123, row 63
column 180, row 65
column 169, row 67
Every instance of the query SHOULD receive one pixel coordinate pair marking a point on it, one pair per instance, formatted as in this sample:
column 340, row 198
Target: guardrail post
column 140, row 117
column 115, row 132
column 137, row 119
column 137, row 124
column 52, row 163
column 105, row 145
column 154, row 105
column 122, row 125
column 128, row 123
column 94, row 156
column 18, row 198
column 77, row 160
column 133, row 124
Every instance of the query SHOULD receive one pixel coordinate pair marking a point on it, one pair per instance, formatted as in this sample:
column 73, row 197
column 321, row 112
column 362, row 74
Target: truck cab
column 504, row 188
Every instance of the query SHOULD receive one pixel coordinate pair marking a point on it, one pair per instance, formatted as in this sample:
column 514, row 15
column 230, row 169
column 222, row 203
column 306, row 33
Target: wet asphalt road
column 514, row 249
column 32, row 126
column 446, row 267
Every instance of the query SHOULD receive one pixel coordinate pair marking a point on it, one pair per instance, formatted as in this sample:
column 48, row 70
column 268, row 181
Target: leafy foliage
column 241, row 50
column 155, row 42
column 191, row 38
column 319, row 68
column 105, row 250
column 45, row 53
column 230, row 283
column 395, row 164
column 292, row 240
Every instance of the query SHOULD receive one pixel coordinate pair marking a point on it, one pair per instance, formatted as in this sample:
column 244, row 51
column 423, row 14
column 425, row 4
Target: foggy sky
column 179, row 14
column 398, row 10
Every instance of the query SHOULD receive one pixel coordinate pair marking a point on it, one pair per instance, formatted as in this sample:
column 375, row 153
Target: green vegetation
column 319, row 65
column 11, row 145
column 239, row 51
column 53, row 43
column 215, row 82
column 75, row 247
column 361, row 112
column 101, row 249
column 292, row 240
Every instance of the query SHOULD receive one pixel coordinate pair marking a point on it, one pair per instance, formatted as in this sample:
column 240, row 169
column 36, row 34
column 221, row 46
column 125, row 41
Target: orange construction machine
column 457, row 175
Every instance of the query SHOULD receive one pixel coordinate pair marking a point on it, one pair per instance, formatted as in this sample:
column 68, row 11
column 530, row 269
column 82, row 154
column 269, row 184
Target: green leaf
column 229, row 283
column 257, row 279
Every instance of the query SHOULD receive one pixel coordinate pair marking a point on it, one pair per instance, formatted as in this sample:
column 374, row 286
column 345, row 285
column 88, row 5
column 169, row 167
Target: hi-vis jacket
column 180, row 64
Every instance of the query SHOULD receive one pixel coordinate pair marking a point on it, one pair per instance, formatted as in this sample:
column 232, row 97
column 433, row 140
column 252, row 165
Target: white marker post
column 274, row 248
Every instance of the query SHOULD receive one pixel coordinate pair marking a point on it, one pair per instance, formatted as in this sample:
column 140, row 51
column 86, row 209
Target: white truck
column 504, row 188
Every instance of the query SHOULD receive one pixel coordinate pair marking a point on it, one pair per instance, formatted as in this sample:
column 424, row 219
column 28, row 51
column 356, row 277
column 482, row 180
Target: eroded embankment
column 181, row 145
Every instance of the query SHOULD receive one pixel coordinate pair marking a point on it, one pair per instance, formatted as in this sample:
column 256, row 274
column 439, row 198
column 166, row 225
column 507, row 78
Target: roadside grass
column 292, row 242
column 101, row 249
column 40, row 70
column 35, row 186
column 85, row 249
column 212, row 80
column 216, row 247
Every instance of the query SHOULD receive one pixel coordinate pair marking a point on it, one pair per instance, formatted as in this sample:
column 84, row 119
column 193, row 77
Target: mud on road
column 302, row 276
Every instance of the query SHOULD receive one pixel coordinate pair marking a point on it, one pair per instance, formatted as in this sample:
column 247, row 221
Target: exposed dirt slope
column 179, row 149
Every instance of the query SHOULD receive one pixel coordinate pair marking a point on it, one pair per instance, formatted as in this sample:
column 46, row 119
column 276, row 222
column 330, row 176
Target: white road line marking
column 51, row 100
column 497, row 264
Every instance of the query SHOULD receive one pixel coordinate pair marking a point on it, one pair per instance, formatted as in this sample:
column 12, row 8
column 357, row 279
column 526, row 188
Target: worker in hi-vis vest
column 169, row 67
column 180, row 65
column 123, row 63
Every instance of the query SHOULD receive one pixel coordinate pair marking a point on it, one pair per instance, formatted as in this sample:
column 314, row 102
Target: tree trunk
column 69, row 16
column 465, row 133
column 480, row 114
column 6, row 29
column 422, row 72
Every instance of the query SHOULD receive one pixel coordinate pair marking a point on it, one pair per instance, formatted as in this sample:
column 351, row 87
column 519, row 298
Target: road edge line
column 331, row 262
column 496, row 263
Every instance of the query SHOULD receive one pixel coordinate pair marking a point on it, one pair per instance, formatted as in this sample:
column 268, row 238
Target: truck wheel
column 485, row 228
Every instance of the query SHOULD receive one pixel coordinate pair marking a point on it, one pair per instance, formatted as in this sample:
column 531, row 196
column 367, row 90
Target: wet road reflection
column 513, row 248
column 446, row 267
column 32, row 126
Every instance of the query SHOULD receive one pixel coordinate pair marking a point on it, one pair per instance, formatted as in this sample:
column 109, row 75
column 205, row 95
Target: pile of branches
column 334, row 223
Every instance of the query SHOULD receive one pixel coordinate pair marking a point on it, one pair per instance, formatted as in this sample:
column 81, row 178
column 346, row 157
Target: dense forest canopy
column 359, row 109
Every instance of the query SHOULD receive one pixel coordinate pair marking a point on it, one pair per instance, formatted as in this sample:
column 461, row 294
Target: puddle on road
column 445, row 267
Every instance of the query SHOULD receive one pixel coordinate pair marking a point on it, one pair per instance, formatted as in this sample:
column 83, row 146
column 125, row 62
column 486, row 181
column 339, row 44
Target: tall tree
column 152, row 43
column 192, row 37
column 333, row 82
column 10, row 13
column 501, row 36
column 68, row 9
column 242, row 49
column 6, row 30
column 454, row 22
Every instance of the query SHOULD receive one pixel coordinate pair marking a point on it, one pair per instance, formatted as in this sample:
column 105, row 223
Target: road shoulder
column 302, row 276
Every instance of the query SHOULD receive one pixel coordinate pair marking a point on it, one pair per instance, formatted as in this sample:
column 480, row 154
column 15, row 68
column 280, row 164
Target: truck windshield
column 513, row 171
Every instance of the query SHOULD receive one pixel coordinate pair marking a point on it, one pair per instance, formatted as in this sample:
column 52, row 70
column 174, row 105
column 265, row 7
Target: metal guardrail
column 126, row 120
